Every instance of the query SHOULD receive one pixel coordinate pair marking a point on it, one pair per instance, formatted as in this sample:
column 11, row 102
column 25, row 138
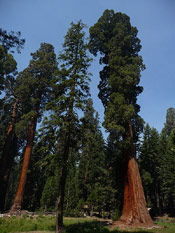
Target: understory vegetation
column 72, row 225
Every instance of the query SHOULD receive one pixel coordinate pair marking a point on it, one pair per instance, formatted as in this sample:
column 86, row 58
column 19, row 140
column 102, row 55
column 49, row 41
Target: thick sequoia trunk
column 7, row 157
column 134, row 207
column 22, row 182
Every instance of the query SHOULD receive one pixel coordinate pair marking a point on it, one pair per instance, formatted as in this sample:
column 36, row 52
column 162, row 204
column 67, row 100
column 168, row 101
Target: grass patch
column 72, row 225
column 168, row 227
column 23, row 224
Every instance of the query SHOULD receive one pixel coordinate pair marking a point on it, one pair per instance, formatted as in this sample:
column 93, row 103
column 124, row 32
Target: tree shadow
column 95, row 227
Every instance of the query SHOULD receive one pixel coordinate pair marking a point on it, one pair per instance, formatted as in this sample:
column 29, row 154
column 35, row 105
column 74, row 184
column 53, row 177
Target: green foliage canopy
column 118, row 44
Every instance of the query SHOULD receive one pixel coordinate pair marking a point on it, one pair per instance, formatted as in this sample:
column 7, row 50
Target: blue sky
column 48, row 20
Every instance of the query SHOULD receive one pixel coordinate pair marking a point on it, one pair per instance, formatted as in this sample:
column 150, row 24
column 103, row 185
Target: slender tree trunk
column 87, row 158
column 27, row 153
column 158, row 210
column 62, row 185
column 7, row 158
column 68, row 196
column 86, row 172
column 61, row 192
column 134, row 206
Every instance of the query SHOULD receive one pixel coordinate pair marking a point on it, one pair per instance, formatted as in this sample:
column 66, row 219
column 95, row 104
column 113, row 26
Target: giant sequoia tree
column 117, row 41
column 33, row 91
column 8, row 106
column 7, row 72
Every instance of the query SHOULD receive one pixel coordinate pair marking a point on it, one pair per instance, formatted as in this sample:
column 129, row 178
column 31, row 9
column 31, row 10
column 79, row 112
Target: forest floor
column 46, row 224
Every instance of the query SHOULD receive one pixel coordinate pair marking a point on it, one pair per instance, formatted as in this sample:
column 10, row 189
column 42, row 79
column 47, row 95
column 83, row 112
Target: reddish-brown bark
column 7, row 157
column 27, row 153
column 134, row 207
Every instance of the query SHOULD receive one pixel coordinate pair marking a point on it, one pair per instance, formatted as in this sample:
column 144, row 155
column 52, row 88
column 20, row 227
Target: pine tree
column 71, row 189
column 92, row 170
column 71, row 92
column 49, row 162
column 168, row 174
column 163, row 142
column 115, row 164
column 150, row 163
column 33, row 89
column 166, row 154
column 117, row 41
column 89, row 136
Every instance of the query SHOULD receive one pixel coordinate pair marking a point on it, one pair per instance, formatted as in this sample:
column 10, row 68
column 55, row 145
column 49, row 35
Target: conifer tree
column 72, row 202
column 150, row 163
column 8, row 69
column 90, row 130
column 168, row 174
column 8, row 66
column 33, row 91
column 170, row 121
column 8, row 138
column 8, row 41
column 117, row 41
column 115, row 164
column 8, row 107
column 49, row 162
column 167, row 155
column 92, row 170
column 7, row 158
column 71, row 92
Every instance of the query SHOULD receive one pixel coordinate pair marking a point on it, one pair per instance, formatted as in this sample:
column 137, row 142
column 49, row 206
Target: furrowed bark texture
column 7, row 158
column 27, row 153
column 134, row 207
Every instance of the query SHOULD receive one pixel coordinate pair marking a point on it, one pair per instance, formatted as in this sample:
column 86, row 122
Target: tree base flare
column 134, row 210
column 16, row 209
